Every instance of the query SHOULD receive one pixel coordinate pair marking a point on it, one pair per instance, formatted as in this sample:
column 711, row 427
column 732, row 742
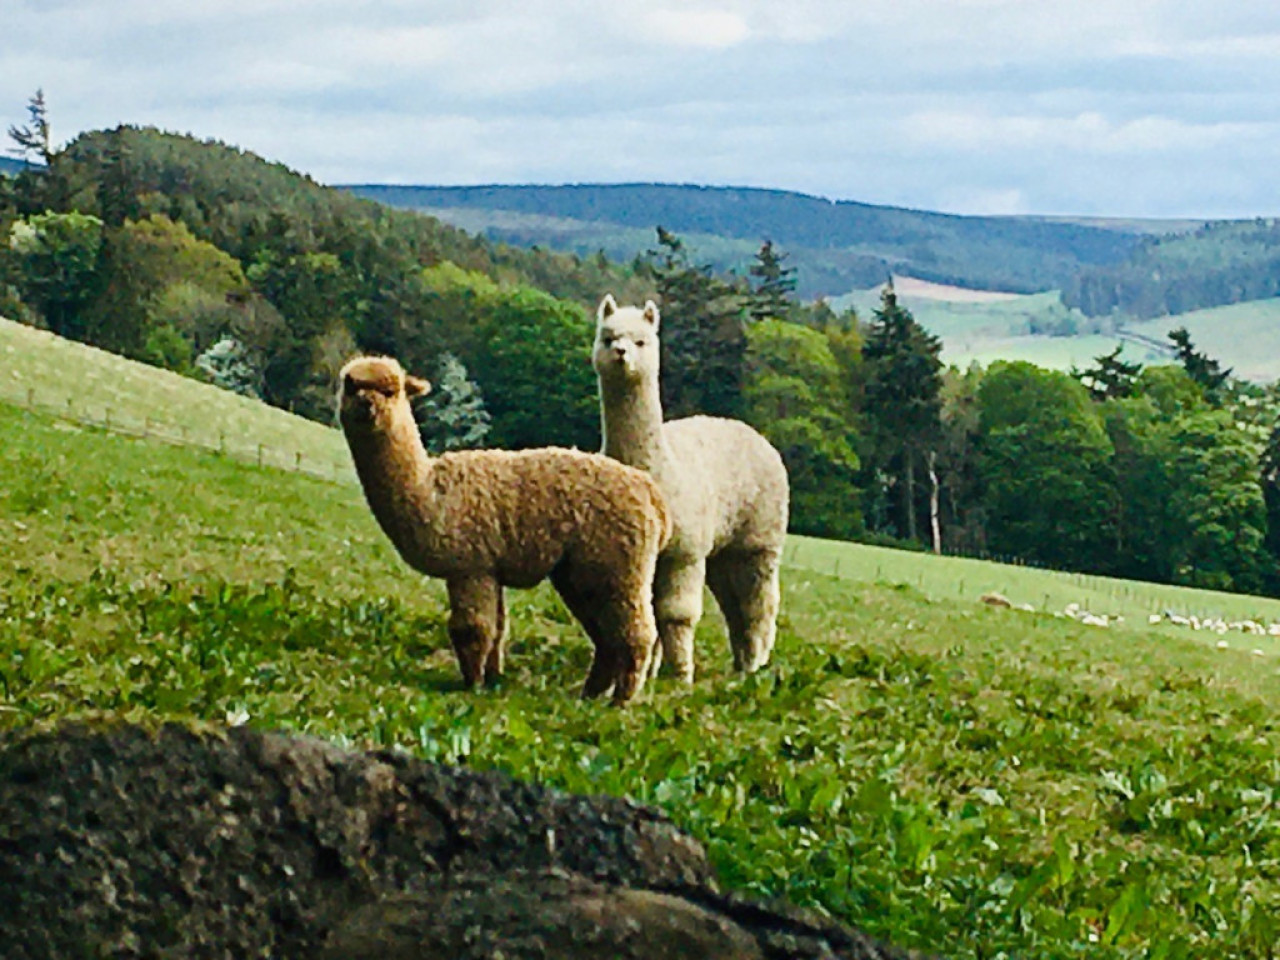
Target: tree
column 1045, row 468
column 1203, row 369
column 33, row 139
column 532, row 364
column 795, row 397
column 230, row 365
column 452, row 416
column 901, row 400
column 704, row 342
column 57, row 257
column 958, row 462
column 773, row 290
column 1219, row 501
column 1110, row 378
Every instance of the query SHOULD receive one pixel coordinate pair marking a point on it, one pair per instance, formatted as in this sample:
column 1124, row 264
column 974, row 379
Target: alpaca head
column 375, row 391
column 626, row 347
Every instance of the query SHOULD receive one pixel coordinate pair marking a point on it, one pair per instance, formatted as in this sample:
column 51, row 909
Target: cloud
column 698, row 28
column 1134, row 107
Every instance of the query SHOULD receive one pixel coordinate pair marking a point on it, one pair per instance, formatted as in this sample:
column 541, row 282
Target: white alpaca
column 724, row 483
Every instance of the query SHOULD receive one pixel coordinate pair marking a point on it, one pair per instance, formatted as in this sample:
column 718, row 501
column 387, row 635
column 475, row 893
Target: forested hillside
column 190, row 254
column 1218, row 264
column 836, row 246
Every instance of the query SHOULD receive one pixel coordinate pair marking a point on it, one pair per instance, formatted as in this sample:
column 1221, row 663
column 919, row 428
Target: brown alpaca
column 486, row 519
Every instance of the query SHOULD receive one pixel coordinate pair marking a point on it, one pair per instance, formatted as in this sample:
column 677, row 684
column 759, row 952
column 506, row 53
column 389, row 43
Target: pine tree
column 1200, row 367
column 704, row 343
column 774, row 286
column 453, row 415
column 33, row 139
column 902, row 399
column 230, row 366
column 1111, row 378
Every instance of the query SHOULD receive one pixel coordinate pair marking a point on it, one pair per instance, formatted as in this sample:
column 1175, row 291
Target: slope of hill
column 836, row 245
column 1216, row 265
column 10, row 166
column 926, row 742
column 45, row 371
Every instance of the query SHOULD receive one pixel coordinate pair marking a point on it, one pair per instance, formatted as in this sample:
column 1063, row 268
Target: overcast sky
column 1161, row 108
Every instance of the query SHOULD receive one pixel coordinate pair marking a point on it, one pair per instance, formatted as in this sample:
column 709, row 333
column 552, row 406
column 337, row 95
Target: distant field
column 978, row 327
column 1243, row 336
column 912, row 287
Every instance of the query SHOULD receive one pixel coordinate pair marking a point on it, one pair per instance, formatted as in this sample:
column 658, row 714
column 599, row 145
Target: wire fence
column 938, row 576
column 208, row 436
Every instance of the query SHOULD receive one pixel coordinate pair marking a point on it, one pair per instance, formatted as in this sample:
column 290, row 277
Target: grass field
column 978, row 782
column 71, row 379
column 1243, row 336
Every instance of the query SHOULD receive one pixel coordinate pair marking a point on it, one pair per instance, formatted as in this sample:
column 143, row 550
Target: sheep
column 726, row 487
column 483, row 520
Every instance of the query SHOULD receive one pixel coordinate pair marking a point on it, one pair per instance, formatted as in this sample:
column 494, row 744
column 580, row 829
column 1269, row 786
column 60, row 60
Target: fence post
column 297, row 460
column 259, row 454
column 106, row 418
column 222, row 442
column 31, row 397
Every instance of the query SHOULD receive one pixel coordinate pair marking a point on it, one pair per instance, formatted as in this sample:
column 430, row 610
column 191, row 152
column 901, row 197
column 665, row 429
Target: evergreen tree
column 229, row 365
column 773, row 289
column 33, row 139
column 452, row 416
column 1203, row 369
column 704, row 343
column 1111, row 378
column 903, row 380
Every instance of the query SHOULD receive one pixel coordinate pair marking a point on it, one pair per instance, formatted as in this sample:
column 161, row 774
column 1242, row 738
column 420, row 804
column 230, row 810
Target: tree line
column 211, row 262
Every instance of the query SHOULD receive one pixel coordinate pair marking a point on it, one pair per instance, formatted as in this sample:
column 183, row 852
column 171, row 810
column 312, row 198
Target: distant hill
column 10, row 166
column 1216, row 265
column 837, row 246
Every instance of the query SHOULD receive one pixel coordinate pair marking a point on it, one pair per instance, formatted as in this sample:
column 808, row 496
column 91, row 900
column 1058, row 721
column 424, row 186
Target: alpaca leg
column 627, row 621
column 497, row 660
column 678, row 605
column 747, row 585
column 586, row 608
column 720, row 580
column 474, row 618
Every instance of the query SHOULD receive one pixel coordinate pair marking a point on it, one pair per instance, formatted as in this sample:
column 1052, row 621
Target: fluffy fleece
column 486, row 519
column 724, row 483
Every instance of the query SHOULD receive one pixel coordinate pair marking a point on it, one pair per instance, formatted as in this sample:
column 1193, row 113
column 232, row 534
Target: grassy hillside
column 1243, row 336
column 70, row 378
column 945, row 775
column 835, row 245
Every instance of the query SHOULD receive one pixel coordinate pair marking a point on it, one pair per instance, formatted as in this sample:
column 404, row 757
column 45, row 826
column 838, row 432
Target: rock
column 125, row 842
column 994, row 599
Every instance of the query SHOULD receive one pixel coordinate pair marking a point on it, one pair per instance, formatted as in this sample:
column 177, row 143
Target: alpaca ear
column 416, row 387
column 608, row 307
column 651, row 313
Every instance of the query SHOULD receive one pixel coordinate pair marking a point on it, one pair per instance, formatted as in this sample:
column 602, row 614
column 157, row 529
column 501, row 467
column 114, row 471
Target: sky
column 1127, row 108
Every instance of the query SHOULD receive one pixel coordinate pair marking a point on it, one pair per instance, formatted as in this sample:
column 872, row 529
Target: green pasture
column 973, row 781
column 80, row 382
column 1243, row 336
column 976, row 782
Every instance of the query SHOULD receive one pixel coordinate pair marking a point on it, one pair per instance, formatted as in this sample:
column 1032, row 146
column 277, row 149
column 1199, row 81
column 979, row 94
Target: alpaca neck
column 394, row 470
column 631, row 422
